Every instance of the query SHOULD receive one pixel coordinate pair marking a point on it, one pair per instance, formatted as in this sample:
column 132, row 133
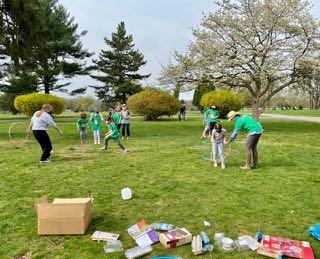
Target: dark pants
column 251, row 150
column 125, row 127
column 106, row 140
column 43, row 138
column 119, row 126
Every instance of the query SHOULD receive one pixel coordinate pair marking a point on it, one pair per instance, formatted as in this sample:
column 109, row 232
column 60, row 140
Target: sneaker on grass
column 44, row 161
column 245, row 167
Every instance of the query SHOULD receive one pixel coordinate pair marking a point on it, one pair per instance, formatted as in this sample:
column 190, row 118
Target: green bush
column 225, row 101
column 152, row 104
column 30, row 103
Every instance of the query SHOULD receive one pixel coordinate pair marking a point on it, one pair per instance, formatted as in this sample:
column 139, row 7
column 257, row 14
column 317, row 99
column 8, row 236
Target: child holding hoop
column 218, row 138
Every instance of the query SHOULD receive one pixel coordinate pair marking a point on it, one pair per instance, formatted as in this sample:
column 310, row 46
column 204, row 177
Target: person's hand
column 226, row 142
column 28, row 131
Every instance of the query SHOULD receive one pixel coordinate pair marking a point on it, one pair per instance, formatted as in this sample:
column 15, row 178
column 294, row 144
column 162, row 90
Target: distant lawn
column 170, row 183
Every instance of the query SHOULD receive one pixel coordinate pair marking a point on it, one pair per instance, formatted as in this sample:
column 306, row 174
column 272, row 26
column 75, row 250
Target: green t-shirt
column 211, row 115
column 246, row 122
column 82, row 123
column 116, row 118
column 113, row 131
column 96, row 121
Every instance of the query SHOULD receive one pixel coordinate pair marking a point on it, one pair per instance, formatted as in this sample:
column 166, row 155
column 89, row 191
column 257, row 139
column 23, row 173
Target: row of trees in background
column 261, row 46
column 41, row 48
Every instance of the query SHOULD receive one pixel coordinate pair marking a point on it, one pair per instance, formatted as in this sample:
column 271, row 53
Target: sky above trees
column 158, row 27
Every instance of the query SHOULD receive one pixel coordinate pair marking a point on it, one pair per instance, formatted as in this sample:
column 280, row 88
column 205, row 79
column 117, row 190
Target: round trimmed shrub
column 30, row 103
column 225, row 100
column 152, row 103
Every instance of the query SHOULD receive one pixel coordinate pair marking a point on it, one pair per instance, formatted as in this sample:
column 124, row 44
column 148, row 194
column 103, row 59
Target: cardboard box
column 63, row 216
column 175, row 237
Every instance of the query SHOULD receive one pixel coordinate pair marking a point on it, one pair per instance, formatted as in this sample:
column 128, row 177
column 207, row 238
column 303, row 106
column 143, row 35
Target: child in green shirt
column 82, row 127
column 115, row 116
column 96, row 121
column 114, row 134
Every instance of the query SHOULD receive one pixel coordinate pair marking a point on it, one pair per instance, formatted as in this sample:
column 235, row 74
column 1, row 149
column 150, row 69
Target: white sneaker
column 45, row 161
column 122, row 138
column 103, row 148
column 95, row 142
column 215, row 164
column 223, row 166
column 125, row 151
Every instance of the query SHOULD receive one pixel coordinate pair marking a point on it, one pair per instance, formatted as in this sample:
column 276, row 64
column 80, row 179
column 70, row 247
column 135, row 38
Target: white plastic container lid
column 126, row 193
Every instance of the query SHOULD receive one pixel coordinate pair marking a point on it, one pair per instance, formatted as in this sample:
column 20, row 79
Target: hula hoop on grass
column 17, row 143
column 209, row 157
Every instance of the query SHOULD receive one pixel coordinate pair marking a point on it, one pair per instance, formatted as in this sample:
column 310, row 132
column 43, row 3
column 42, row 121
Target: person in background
column 213, row 116
column 110, row 110
column 116, row 118
column 182, row 113
column 40, row 121
column 113, row 133
column 96, row 121
column 82, row 127
column 254, row 129
column 218, row 138
column 125, row 121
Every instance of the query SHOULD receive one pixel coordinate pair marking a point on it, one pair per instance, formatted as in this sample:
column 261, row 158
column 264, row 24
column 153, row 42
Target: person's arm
column 48, row 119
column 29, row 128
column 212, row 138
column 78, row 127
column 233, row 136
column 225, row 138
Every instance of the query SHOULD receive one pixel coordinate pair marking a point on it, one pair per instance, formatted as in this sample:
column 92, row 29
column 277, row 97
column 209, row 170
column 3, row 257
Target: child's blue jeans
column 217, row 147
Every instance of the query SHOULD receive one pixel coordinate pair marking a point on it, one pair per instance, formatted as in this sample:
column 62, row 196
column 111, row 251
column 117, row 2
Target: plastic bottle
column 205, row 238
column 126, row 193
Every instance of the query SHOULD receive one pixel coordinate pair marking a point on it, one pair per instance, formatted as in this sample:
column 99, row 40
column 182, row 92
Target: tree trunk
column 257, row 108
column 176, row 91
column 46, row 85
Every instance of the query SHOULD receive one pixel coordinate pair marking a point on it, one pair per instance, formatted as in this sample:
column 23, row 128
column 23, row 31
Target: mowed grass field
column 170, row 182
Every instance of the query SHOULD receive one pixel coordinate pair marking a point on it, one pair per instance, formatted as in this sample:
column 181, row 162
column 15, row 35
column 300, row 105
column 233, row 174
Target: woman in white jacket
column 40, row 121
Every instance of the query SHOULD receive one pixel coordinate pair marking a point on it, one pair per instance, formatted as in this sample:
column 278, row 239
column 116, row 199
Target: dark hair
column 218, row 127
column 108, row 119
column 83, row 115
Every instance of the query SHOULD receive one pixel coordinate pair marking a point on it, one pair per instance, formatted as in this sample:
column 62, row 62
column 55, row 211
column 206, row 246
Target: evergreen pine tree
column 61, row 53
column 117, row 68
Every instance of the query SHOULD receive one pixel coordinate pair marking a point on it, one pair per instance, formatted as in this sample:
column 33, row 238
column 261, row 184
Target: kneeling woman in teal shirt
column 254, row 129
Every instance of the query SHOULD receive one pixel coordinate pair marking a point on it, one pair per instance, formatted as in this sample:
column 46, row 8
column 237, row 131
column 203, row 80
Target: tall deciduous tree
column 254, row 44
column 117, row 68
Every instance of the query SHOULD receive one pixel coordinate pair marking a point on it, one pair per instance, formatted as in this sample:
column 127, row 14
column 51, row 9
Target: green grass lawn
column 170, row 183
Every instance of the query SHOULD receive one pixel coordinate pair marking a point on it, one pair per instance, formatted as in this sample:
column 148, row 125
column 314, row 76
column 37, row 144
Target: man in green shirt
column 114, row 134
column 254, row 129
